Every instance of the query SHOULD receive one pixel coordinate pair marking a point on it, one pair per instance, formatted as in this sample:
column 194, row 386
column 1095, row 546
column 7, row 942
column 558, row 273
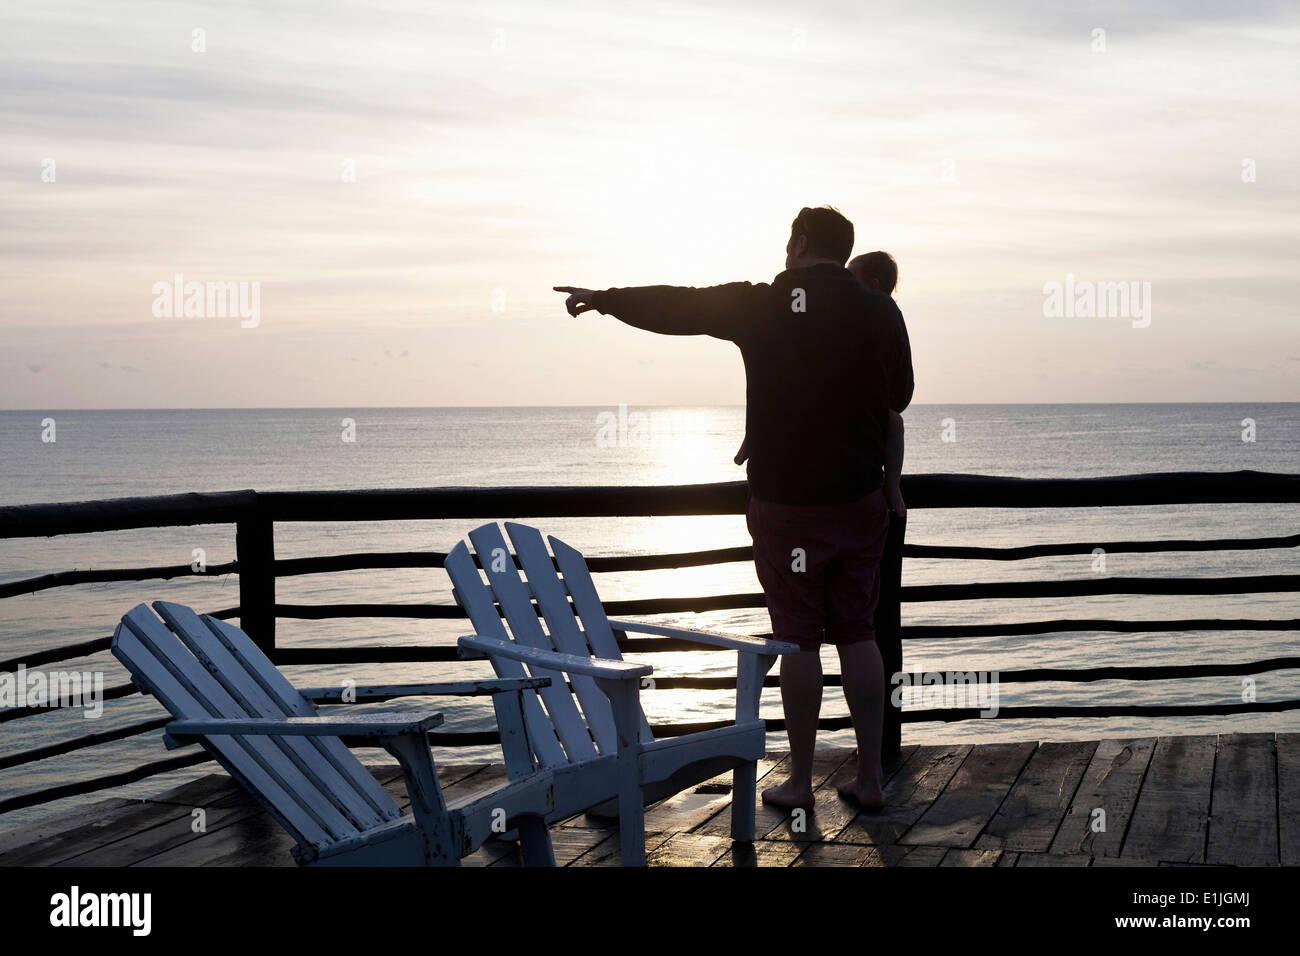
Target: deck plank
column 1172, row 813
column 850, row 854
column 49, row 841
column 689, row 849
column 257, row 840
column 908, row 794
column 213, row 790
column 118, row 837
column 1110, row 784
column 831, row 813
column 172, row 831
column 1169, row 801
column 692, row 808
column 1052, row 859
column 254, row 840
column 786, row 824
column 568, row 844
column 1243, row 806
column 767, row 819
column 1032, row 812
column 608, row 853
column 923, row 856
column 218, row 789
column 760, row 853
column 958, row 857
column 972, row 797
column 1121, row 861
column 571, row 844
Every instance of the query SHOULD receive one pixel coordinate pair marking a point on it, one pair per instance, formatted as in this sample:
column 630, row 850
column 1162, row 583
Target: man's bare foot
column 789, row 796
column 868, row 795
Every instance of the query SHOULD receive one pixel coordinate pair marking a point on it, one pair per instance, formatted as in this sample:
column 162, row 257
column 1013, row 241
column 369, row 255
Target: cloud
column 619, row 145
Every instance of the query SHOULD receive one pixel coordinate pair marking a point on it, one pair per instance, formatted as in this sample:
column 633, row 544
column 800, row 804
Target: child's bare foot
column 789, row 796
column 868, row 795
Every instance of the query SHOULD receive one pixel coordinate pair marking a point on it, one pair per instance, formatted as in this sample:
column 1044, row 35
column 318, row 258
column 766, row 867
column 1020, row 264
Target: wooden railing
column 255, row 515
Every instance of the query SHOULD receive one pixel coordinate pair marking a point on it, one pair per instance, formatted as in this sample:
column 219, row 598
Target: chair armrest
column 735, row 642
column 467, row 688
column 553, row 660
column 393, row 724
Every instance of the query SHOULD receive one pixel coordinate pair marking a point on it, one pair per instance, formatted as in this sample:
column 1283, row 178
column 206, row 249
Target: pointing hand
column 579, row 300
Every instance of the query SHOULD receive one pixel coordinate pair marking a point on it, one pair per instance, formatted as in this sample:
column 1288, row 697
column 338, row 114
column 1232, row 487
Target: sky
column 402, row 184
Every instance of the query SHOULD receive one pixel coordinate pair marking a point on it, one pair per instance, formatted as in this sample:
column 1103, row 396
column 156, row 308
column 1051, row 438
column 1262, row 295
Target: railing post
column 255, row 557
column 889, row 634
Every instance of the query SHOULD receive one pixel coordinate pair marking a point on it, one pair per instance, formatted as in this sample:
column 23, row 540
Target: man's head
column 818, row 235
column 876, row 270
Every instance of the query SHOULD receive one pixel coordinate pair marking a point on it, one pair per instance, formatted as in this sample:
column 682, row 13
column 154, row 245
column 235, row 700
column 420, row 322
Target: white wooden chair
column 227, row 695
column 595, row 740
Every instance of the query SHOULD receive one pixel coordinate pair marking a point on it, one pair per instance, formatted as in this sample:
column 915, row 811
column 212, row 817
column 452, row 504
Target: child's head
column 876, row 270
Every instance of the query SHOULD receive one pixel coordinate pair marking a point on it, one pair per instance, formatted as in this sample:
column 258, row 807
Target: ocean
column 106, row 454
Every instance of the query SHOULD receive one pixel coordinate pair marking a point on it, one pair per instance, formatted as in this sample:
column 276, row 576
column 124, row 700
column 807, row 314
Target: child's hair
column 876, row 270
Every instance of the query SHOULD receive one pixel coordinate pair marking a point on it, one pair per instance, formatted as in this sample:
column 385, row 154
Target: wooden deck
column 1232, row 800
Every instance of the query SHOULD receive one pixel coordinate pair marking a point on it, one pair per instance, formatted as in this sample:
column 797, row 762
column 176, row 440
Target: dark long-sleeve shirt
column 825, row 361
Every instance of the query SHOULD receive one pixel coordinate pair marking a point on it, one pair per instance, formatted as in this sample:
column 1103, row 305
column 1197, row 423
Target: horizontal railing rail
column 254, row 515
column 390, row 504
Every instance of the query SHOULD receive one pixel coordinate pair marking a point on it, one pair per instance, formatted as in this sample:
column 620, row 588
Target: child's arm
column 743, row 454
column 894, row 465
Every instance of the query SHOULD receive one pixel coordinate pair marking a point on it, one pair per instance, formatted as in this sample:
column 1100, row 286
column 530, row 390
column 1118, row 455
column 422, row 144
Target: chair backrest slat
column 514, row 598
column 477, row 600
column 241, row 646
column 563, row 626
column 158, row 663
column 590, row 609
column 248, row 677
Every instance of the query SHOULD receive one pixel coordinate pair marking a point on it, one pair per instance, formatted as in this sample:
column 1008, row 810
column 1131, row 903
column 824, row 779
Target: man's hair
column 830, row 235
column 878, row 265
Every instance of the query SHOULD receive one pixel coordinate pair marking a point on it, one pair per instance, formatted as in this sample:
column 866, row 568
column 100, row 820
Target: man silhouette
column 826, row 359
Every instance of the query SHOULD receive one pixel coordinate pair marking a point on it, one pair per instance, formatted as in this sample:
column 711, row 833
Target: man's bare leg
column 864, row 691
column 801, row 699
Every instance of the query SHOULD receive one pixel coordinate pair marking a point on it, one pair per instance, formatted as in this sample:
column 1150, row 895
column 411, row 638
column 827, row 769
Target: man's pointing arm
column 720, row 310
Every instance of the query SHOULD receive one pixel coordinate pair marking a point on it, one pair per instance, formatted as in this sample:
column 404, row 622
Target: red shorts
column 819, row 566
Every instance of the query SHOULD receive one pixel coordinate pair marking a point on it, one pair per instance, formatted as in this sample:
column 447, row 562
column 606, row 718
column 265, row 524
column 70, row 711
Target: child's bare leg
column 864, row 691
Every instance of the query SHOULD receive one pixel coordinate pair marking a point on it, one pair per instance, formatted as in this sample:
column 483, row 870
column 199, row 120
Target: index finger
column 564, row 288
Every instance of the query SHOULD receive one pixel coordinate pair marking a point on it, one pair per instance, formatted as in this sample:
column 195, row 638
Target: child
column 877, row 271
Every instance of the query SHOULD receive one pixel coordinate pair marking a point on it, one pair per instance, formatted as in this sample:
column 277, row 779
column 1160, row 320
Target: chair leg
column 631, row 824
column 744, row 786
column 535, row 841
column 427, row 805
column 623, row 699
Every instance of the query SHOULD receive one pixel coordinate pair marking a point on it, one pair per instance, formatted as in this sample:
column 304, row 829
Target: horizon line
column 308, row 408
